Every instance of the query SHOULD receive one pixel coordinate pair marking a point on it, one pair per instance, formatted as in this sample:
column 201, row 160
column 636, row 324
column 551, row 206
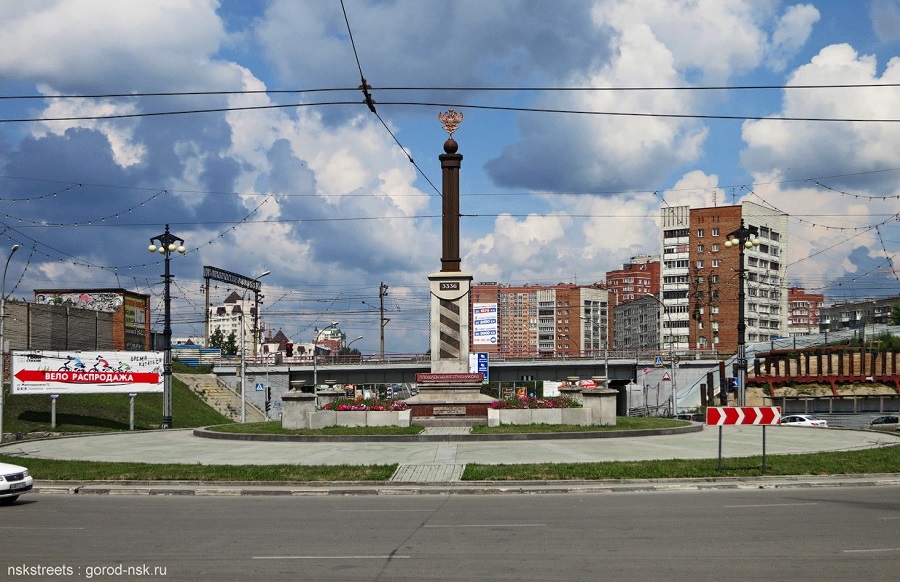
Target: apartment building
column 636, row 279
column 237, row 315
column 803, row 311
column 532, row 320
column 700, row 276
column 856, row 314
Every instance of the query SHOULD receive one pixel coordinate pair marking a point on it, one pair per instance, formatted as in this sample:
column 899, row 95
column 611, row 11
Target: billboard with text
column 484, row 324
column 75, row 372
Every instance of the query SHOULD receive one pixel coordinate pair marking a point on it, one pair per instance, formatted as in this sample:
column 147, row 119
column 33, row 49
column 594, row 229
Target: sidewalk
column 436, row 466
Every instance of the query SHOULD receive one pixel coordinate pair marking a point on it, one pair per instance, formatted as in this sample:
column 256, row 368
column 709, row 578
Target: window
column 700, row 248
column 699, row 264
column 715, row 247
column 699, row 233
column 715, row 263
column 715, row 231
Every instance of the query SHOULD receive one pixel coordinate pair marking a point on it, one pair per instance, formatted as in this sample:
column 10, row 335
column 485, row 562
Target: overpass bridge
column 653, row 381
column 641, row 372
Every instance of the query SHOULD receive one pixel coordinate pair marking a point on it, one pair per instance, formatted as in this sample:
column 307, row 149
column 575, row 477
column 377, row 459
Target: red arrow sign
column 721, row 415
column 73, row 377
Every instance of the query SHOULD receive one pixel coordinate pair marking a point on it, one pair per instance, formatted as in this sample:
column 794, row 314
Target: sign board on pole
column 667, row 377
column 483, row 365
column 722, row 415
column 658, row 362
column 260, row 387
column 484, row 324
column 74, row 372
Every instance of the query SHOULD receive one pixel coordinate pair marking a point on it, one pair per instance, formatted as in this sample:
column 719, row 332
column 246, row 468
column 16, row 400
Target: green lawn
column 105, row 412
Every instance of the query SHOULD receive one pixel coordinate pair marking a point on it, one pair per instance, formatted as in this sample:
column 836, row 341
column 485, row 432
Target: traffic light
column 289, row 350
column 268, row 398
column 732, row 385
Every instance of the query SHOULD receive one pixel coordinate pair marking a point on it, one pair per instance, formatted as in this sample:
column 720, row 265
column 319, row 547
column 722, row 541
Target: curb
column 204, row 432
column 242, row 489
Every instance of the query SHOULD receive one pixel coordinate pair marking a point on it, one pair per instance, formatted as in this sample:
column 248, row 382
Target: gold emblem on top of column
column 451, row 120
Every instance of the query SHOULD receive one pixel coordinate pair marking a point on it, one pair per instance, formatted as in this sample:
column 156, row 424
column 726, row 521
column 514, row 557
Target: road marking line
column 871, row 550
column 387, row 557
column 383, row 510
column 491, row 525
column 769, row 505
column 39, row 528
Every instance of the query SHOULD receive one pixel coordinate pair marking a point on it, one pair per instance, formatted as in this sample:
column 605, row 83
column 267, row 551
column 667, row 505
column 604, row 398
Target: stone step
column 220, row 397
column 442, row 421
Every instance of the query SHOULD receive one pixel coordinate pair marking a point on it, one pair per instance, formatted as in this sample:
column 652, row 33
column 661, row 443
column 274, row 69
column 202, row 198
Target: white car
column 14, row 481
column 803, row 420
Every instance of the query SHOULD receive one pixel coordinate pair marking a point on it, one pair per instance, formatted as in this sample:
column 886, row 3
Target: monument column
column 450, row 288
column 450, row 390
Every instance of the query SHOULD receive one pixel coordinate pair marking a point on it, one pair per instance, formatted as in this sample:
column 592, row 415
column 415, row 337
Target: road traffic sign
column 658, row 361
column 720, row 415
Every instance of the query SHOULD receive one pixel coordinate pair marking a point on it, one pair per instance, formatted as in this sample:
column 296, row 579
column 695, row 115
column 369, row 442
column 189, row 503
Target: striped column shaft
column 449, row 330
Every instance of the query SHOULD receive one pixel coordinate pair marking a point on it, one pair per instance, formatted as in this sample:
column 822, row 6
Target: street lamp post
column 2, row 338
column 315, row 354
column 673, row 360
column 743, row 238
column 255, row 331
column 168, row 244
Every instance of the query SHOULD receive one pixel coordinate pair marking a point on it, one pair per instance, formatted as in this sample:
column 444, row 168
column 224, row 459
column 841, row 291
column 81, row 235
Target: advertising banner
column 484, row 323
column 75, row 372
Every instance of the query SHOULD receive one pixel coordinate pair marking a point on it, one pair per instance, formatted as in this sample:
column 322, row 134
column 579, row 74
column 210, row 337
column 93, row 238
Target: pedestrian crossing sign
column 658, row 363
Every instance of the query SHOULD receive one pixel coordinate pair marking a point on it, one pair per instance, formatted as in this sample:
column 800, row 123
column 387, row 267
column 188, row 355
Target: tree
column 895, row 314
column 216, row 339
column 229, row 346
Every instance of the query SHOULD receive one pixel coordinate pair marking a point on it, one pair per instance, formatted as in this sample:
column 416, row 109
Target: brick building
column 700, row 281
column 636, row 279
column 803, row 308
column 530, row 320
column 130, row 314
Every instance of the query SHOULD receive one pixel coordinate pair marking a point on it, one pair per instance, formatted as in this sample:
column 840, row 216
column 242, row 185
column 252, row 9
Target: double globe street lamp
column 742, row 238
column 168, row 244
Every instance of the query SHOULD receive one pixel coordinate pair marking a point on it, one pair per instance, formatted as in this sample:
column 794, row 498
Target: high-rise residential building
column 636, row 279
column 700, row 277
column 531, row 320
column 803, row 307
column 234, row 313
column 636, row 325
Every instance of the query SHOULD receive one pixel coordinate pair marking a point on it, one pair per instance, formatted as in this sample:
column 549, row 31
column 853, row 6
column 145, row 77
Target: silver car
column 803, row 420
column 14, row 481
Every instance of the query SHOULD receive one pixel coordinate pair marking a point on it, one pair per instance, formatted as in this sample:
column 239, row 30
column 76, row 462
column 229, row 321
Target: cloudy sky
column 241, row 124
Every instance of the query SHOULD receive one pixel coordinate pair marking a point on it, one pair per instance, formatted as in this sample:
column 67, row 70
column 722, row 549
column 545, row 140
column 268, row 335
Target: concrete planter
column 326, row 418
column 575, row 416
column 387, row 417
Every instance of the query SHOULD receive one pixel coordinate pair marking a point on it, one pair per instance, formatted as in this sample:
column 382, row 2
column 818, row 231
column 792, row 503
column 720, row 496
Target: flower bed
column 554, row 402
column 365, row 405
column 360, row 412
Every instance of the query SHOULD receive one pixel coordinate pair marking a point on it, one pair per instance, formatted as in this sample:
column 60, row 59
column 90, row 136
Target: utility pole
column 382, row 292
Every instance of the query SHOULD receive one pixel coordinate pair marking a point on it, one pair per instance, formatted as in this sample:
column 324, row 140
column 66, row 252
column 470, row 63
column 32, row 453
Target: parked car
column 693, row 417
column 14, row 481
column 803, row 420
column 890, row 422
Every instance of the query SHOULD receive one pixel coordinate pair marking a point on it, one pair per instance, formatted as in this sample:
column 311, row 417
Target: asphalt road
column 841, row 533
